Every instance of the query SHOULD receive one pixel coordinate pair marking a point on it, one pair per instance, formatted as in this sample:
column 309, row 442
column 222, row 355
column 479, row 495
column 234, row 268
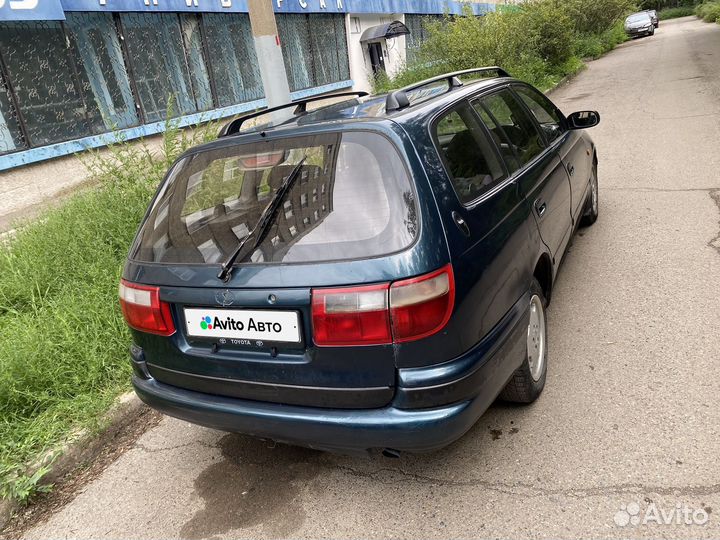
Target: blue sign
column 379, row 6
column 213, row 6
column 454, row 7
column 309, row 6
column 28, row 10
column 31, row 10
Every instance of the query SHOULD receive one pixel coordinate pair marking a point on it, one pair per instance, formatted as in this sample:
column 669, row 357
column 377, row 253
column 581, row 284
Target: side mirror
column 583, row 119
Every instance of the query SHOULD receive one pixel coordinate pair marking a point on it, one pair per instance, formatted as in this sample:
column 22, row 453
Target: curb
column 567, row 78
column 82, row 447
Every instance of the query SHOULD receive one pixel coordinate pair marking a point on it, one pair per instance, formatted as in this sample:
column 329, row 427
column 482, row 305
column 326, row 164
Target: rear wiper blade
column 260, row 229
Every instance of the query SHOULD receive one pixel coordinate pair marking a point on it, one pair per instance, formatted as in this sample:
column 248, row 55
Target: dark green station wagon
column 368, row 275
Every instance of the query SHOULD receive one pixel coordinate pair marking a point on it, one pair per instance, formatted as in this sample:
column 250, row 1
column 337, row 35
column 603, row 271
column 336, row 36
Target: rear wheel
column 528, row 380
column 591, row 204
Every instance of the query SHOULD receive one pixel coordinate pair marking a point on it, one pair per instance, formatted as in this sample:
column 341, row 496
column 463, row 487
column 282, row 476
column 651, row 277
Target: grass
column 675, row 12
column 591, row 46
column 63, row 345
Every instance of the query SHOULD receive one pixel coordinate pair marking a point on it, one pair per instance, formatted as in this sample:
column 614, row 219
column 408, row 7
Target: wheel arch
column 543, row 272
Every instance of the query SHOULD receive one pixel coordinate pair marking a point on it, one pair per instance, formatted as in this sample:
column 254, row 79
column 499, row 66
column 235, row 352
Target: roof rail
column 399, row 100
column 232, row 128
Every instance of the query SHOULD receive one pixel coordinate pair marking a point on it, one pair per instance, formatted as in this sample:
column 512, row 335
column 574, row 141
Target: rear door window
column 353, row 199
column 511, row 122
column 468, row 154
column 506, row 148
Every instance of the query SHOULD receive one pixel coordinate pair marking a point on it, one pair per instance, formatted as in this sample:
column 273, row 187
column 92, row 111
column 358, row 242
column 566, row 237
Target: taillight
column 381, row 314
column 421, row 306
column 351, row 316
column 143, row 310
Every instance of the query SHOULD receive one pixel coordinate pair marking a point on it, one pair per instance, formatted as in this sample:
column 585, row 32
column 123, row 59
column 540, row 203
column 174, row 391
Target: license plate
column 279, row 326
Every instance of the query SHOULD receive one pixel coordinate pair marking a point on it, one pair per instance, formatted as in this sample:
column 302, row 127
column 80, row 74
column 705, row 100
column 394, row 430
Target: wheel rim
column 594, row 195
column 536, row 338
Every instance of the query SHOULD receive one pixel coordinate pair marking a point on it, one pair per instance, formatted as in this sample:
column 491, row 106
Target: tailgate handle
column 461, row 224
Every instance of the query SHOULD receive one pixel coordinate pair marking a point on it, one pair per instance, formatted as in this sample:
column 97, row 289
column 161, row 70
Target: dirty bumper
column 327, row 429
column 434, row 406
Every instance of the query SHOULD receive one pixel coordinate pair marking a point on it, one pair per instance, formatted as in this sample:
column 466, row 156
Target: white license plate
column 283, row 326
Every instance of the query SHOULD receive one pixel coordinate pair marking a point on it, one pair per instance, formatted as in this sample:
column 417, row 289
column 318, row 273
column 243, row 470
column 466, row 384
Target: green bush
column 708, row 11
column 539, row 41
column 535, row 39
column 596, row 16
column 63, row 345
column 674, row 13
column 595, row 45
column 666, row 4
column 550, row 31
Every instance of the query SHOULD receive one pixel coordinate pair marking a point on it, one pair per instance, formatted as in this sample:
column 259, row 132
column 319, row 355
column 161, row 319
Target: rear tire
column 591, row 204
column 528, row 381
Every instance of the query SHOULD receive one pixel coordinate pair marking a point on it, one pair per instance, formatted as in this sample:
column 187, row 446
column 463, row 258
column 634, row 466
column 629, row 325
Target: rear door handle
column 540, row 207
column 461, row 223
column 571, row 170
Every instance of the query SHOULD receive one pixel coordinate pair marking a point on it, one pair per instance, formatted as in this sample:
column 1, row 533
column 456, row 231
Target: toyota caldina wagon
column 368, row 275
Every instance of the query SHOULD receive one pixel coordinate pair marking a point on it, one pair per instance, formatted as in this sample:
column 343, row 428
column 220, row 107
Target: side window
column 544, row 111
column 468, row 154
column 501, row 140
column 511, row 122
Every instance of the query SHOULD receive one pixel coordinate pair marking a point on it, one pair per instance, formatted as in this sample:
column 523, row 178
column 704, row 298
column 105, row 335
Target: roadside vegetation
column 63, row 345
column 675, row 12
column 709, row 11
column 541, row 41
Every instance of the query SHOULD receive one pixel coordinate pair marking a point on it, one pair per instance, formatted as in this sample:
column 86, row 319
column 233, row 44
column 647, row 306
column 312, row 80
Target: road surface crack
column 664, row 190
column 715, row 242
column 145, row 449
column 392, row 476
column 686, row 116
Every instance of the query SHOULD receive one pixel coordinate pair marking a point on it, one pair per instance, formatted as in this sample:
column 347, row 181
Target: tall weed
column 63, row 343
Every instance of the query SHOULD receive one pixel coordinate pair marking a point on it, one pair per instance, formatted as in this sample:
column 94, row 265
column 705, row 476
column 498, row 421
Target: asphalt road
column 630, row 411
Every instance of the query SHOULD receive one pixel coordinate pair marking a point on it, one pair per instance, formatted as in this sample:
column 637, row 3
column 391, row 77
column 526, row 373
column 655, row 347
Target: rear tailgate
column 350, row 218
column 224, row 363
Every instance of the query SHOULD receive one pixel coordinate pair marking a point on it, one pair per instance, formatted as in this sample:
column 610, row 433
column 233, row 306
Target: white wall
column 393, row 49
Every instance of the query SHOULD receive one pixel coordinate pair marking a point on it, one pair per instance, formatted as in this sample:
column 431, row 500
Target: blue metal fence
column 83, row 82
column 76, row 74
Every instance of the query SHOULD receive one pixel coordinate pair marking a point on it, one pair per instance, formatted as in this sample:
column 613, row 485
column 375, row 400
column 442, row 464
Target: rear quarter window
column 353, row 199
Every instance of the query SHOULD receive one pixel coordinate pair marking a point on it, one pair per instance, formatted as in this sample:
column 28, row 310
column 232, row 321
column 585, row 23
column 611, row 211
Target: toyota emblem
column 225, row 298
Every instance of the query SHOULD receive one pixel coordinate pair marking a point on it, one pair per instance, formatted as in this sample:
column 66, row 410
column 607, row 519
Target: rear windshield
column 352, row 199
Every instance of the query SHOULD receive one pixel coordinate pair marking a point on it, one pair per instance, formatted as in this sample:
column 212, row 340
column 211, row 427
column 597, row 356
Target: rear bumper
column 433, row 406
column 326, row 429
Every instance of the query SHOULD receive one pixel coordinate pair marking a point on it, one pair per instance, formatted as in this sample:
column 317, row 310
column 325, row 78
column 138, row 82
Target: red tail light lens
column 420, row 307
column 351, row 316
column 143, row 310
column 381, row 314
